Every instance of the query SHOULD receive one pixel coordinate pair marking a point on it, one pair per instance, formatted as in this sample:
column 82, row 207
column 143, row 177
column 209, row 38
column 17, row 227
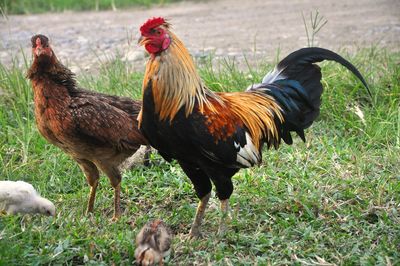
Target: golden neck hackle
column 175, row 81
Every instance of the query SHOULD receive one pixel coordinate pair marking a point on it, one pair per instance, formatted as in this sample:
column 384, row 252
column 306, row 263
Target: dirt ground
column 255, row 28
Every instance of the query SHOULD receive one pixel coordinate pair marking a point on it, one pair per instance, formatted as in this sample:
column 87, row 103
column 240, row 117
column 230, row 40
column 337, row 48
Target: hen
column 212, row 135
column 21, row 197
column 98, row 131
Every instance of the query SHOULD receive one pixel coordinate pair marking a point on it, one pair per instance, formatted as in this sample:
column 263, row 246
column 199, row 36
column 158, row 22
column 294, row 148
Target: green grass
column 41, row 6
column 335, row 198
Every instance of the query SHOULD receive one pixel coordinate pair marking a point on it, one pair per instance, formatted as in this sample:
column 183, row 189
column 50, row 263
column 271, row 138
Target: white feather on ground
column 21, row 197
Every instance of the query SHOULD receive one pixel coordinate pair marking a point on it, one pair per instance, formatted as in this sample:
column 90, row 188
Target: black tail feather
column 296, row 85
column 314, row 55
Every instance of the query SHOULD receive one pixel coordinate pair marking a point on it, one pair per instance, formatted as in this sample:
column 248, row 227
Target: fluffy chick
column 21, row 197
column 153, row 243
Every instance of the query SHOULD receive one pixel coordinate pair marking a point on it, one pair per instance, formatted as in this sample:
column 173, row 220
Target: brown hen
column 98, row 131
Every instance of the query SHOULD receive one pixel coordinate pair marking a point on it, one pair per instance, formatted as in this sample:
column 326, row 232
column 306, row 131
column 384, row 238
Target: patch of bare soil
column 233, row 28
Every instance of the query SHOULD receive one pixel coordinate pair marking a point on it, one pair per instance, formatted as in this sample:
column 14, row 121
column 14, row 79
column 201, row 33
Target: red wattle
column 152, row 49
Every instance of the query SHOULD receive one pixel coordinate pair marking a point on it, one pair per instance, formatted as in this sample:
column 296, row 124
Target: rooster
column 213, row 135
column 98, row 131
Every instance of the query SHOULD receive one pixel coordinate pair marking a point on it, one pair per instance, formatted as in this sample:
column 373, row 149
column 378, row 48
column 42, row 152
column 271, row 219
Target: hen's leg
column 202, row 185
column 117, row 202
column 114, row 176
column 92, row 176
column 146, row 156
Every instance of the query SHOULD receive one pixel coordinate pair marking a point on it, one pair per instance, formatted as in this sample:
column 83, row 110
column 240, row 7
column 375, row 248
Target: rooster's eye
column 155, row 31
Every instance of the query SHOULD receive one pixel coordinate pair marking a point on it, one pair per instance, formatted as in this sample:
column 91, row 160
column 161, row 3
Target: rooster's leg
column 201, row 210
column 223, row 184
column 203, row 186
column 92, row 176
column 224, row 216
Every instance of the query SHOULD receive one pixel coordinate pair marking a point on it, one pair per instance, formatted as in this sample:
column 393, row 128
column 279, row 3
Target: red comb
column 152, row 23
column 38, row 42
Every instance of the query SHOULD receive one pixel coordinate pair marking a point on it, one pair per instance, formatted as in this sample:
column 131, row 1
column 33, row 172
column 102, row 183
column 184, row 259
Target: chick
column 21, row 197
column 153, row 243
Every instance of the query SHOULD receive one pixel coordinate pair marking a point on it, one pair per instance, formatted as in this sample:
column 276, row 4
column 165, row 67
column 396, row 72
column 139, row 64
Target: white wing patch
column 248, row 155
column 274, row 75
column 271, row 76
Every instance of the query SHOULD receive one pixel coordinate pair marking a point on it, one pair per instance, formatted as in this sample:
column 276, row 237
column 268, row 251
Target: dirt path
column 225, row 27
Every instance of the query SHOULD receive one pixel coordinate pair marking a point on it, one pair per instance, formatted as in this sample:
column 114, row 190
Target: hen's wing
column 102, row 123
column 128, row 105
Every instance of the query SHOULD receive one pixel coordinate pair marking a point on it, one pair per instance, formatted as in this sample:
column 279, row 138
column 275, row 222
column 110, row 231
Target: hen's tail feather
column 296, row 84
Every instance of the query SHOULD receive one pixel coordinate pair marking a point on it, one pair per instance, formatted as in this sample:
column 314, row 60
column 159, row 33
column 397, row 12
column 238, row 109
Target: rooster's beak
column 140, row 40
column 143, row 40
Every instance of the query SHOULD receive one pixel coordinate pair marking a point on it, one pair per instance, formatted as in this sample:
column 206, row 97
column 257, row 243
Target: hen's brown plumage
column 98, row 131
